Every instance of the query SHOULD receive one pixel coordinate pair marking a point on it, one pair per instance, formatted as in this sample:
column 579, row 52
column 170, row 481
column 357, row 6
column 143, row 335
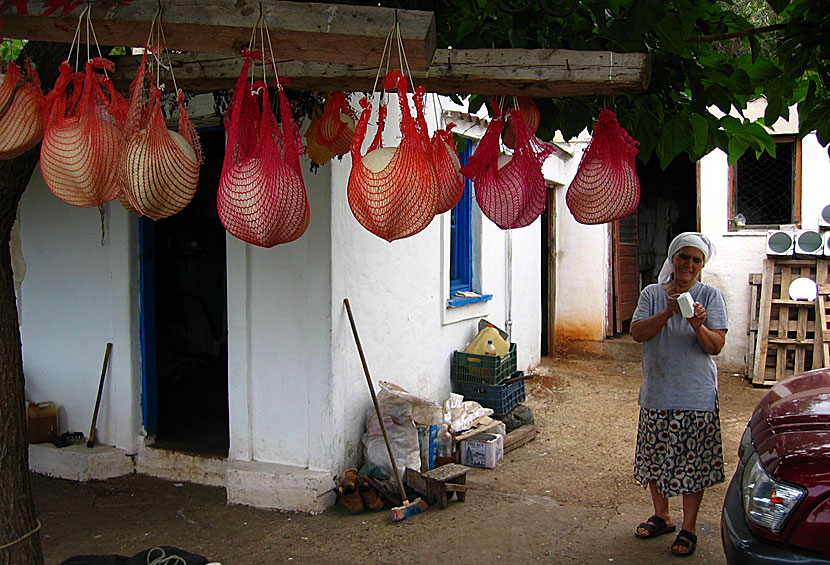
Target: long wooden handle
column 375, row 402
column 91, row 441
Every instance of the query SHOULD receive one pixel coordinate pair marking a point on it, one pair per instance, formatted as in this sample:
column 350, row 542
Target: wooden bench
column 438, row 485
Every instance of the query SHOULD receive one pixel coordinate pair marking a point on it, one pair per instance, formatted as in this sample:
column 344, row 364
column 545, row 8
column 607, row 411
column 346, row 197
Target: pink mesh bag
column 158, row 168
column 393, row 191
column 335, row 128
column 82, row 133
column 21, row 113
column 261, row 197
column 510, row 190
column 606, row 187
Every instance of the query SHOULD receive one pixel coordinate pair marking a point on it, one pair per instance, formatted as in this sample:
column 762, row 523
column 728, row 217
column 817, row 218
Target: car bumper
column 741, row 546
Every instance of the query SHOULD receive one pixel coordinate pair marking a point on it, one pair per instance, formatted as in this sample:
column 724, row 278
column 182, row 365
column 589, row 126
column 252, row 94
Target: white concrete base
column 269, row 485
column 79, row 462
column 175, row 466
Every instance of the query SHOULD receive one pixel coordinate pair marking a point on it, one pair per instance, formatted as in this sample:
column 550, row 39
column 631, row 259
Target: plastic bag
column 400, row 411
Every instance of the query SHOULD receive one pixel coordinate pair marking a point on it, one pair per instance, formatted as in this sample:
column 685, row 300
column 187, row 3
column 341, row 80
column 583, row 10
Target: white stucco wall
column 741, row 253
column 297, row 394
column 582, row 261
column 79, row 294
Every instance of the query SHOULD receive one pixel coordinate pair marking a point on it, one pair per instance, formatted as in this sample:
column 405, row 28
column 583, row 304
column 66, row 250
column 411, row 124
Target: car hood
column 791, row 429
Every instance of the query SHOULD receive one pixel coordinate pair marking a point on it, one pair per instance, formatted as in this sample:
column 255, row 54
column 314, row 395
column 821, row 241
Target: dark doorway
column 184, row 321
column 668, row 207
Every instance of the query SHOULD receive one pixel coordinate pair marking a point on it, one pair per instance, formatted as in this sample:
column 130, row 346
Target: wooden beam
column 538, row 73
column 301, row 31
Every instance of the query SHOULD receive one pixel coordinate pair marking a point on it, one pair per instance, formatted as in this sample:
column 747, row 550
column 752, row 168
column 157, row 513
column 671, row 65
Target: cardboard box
column 482, row 450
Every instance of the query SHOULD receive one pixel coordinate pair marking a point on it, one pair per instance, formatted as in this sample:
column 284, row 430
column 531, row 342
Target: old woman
column 679, row 450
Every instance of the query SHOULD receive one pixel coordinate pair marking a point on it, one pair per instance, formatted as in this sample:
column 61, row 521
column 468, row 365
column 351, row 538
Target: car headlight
column 767, row 501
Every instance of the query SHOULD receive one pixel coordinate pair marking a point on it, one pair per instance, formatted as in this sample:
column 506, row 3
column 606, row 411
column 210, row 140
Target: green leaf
column 464, row 29
column 700, row 131
column 778, row 5
column 735, row 150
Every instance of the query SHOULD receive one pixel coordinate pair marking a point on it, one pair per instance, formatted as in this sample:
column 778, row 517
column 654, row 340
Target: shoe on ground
column 371, row 499
column 350, row 481
column 351, row 501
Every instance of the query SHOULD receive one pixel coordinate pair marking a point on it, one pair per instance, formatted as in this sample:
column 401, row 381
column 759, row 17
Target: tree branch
column 734, row 34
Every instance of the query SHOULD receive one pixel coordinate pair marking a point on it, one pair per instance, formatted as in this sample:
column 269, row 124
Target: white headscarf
column 686, row 239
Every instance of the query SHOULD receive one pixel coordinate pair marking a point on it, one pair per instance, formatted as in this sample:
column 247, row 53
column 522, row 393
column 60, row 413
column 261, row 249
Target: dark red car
column 777, row 507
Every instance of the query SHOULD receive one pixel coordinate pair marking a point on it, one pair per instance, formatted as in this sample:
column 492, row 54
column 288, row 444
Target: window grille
column 766, row 191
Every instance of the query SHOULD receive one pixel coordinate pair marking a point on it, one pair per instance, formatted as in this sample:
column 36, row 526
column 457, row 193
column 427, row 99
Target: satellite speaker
column 808, row 242
column 780, row 243
column 824, row 217
column 826, row 237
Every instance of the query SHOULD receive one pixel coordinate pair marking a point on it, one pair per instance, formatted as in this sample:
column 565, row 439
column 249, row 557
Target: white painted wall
column 582, row 261
column 297, row 393
column 79, row 294
column 741, row 253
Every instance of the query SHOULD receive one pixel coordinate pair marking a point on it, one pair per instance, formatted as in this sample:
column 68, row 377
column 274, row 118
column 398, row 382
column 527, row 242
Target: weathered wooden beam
column 301, row 31
column 538, row 73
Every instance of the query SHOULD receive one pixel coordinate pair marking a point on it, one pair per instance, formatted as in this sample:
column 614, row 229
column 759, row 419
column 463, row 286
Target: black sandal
column 655, row 526
column 685, row 539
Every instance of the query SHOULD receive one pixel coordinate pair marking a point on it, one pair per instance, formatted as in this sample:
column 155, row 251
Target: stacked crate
column 489, row 380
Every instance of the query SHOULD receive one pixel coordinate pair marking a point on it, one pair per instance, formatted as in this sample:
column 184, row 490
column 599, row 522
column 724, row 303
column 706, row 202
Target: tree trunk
column 17, row 511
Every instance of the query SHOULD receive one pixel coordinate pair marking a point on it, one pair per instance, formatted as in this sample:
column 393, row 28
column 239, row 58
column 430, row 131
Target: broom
column 407, row 508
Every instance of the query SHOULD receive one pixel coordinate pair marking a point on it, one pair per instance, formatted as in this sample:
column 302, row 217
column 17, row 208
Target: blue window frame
column 462, row 242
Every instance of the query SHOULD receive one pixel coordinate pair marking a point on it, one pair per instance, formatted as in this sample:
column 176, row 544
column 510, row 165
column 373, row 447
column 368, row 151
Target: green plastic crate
column 482, row 369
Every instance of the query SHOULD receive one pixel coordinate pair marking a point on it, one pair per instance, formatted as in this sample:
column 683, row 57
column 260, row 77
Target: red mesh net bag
column 531, row 116
column 21, row 114
column 316, row 152
column 82, row 133
column 447, row 169
column 393, row 191
column 510, row 189
column 606, row 187
column 158, row 168
column 335, row 128
column 261, row 198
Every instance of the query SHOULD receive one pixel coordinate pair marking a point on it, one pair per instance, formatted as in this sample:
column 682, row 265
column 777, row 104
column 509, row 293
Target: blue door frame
column 147, row 293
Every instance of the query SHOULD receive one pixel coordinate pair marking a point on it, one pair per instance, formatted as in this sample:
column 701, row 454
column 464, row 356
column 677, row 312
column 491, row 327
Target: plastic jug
column 479, row 343
column 42, row 418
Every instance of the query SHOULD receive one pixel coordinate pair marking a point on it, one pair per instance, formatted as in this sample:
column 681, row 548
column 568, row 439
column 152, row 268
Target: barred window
column 766, row 192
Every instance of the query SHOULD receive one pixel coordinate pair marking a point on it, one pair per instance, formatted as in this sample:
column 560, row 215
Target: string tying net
column 82, row 133
column 510, row 189
column 531, row 116
column 606, row 187
column 159, row 168
column 21, row 113
column 393, row 191
column 335, row 128
column 261, row 197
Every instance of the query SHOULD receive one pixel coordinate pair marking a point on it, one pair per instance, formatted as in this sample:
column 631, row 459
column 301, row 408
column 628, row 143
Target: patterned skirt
column 680, row 449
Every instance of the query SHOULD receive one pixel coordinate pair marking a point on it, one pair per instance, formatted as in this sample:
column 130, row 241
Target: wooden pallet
column 787, row 336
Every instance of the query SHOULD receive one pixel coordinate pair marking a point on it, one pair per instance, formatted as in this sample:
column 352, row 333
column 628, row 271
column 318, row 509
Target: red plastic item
column 606, row 187
column 21, row 114
column 393, row 191
column 82, row 133
column 335, row 128
column 511, row 191
column 158, row 168
column 261, row 197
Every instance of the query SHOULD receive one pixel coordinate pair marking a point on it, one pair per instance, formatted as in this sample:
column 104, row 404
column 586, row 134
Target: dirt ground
column 566, row 497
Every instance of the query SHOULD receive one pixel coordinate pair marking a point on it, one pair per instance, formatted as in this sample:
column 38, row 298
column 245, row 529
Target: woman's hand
column 699, row 316
column 672, row 307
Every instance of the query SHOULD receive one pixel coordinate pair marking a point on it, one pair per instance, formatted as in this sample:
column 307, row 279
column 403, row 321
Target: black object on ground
column 161, row 553
column 518, row 417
